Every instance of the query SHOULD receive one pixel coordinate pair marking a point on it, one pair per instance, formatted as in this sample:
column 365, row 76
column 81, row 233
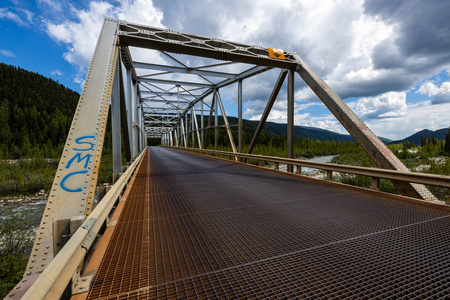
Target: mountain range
column 417, row 137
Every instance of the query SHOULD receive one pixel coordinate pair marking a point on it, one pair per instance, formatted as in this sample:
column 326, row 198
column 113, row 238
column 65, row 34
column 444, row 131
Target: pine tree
column 447, row 142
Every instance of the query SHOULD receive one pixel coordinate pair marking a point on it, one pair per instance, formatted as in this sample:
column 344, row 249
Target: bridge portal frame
column 115, row 77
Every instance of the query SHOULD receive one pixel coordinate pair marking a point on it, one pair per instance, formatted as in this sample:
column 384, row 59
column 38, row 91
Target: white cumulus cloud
column 440, row 93
column 391, row 104
column 81, row 32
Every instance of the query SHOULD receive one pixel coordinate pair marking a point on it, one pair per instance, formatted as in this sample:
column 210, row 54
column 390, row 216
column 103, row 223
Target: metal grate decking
column 196, row 227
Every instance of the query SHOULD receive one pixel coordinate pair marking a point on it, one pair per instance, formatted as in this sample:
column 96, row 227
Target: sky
column 389, row 60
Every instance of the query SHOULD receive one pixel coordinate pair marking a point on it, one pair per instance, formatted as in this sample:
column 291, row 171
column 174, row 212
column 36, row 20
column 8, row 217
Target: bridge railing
column 55, row 278
column 375, row 173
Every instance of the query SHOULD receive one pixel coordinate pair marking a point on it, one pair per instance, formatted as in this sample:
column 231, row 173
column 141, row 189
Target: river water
column 310, row 171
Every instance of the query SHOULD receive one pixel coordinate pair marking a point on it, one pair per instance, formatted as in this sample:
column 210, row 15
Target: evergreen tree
column 35, row 113
column 447, row 142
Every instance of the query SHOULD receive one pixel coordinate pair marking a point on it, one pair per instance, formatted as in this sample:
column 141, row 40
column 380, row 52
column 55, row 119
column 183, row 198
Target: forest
column 35, row 116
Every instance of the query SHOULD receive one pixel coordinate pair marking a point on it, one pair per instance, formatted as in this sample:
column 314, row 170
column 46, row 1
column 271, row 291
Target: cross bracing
column 189, row 71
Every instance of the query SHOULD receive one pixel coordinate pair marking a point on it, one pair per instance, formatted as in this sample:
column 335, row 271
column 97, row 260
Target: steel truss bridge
column 180, row 223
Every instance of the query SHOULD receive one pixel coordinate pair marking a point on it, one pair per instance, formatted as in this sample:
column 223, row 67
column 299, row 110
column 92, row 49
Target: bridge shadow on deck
column 197, row 227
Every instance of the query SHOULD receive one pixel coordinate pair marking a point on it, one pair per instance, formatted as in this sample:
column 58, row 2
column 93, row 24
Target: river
column 310, row 171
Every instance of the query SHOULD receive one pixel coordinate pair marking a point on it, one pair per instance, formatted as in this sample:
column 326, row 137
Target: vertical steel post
column 129, row 100
column 134, row 108
column 183, row 132
column 124, row 114
column 202, row 138
column 216, row 124
column 290, row 119
column 179, row 134
column 138, row 128
column 205, row 142
column 115, row 120
column 240, row 116
column 187, row 130
column 196, row 129
column 193, row 116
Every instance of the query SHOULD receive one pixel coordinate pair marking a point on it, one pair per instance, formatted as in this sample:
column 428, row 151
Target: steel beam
column 290, row 119
column 73, row 190
column 182, row 70
column 116, row 129
column 216, row 124
column 205, row 141
column 267, row 110
column 129, row 98
column 202, row 138
column 225, row 120
column 187, row 130
column 196, row 130
column 124, row 115
column 183, row 133
column 193, row 116
column 177, row 42
column 375, row 148
column 175, row 82
column 134, row 108
column 240, row 116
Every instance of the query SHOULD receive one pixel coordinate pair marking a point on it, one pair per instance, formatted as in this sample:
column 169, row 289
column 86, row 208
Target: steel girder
column 73, row 190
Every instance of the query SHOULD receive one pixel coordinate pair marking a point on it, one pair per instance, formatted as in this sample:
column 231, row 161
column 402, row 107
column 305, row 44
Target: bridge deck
column 196, row 227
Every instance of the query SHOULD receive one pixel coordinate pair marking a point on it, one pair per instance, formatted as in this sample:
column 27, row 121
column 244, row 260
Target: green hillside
column 35, row 114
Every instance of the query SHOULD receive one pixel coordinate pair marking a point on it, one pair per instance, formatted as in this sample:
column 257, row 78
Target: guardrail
column 375, row 173
column 55, row 278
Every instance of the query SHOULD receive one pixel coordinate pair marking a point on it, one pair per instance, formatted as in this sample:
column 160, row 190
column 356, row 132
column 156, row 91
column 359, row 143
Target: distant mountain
column 417, row 137
column 304, row 132
column 385, row 140
column 299, row 131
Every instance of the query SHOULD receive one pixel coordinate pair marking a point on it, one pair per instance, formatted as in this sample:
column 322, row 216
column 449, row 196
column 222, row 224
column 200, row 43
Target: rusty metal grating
column 195, row 227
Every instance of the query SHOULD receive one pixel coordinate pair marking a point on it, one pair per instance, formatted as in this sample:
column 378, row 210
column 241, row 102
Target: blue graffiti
column 78, row 155
column 79, row 159
column 63, row 185
column 82, row 138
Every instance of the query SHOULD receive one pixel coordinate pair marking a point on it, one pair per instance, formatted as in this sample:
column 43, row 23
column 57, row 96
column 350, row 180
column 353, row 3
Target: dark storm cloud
column 441, row 99
column 422, row 30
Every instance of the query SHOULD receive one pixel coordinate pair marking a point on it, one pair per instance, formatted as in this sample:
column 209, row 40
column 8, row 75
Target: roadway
column 197, row 227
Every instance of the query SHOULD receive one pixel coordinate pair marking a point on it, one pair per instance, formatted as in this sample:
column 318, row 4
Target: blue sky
column 388, row 60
